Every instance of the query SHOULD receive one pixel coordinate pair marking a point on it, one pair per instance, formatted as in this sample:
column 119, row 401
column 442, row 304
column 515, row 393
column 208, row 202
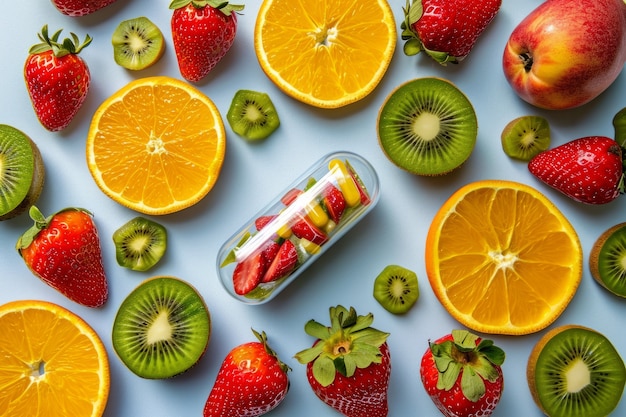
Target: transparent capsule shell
column 298, row 226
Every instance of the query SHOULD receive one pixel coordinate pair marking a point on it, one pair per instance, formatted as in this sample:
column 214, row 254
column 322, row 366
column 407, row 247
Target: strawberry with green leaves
column 203, row 31
column 57, row 79
column 446, row 30
column 462, row 374
column 80, row 7
column 64, row 251
column 349, row 365
column 251, row 381
column 588, row 170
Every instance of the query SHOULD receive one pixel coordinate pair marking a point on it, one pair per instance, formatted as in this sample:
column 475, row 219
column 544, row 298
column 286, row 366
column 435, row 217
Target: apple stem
column 527, row 60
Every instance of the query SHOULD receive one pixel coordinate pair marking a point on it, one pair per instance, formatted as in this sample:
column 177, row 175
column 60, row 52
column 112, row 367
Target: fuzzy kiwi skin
column 37, row 183
column 594, row 258
column 531, row 369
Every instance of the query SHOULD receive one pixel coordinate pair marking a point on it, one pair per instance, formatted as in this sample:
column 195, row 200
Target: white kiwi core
column 577, row 376
column 426, row 126
column 160, row 330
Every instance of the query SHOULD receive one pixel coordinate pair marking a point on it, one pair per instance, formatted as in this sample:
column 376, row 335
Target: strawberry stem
column 51, row 43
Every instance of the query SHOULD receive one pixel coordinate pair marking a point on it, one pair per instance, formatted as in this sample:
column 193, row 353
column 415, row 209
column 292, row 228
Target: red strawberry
column 203, row 31
column 80, row 7
column 283, row 263
column 57, row 79
column 349, row 365
column 248, row 273
column 64, row 251
column 588, row 170
column 263, row 221
column 461, row 373
column 250, row 382
column 446, row 29
column 290, row 196
column 304, row 229
column 334, row 202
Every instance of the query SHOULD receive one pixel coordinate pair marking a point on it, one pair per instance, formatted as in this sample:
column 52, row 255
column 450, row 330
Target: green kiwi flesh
column 162, row 328
column 525, row 137
column 396, row 289
column 574, row 371
column 427, row 126
column 252, row 115
column 607, row 260
column 139, row 244
column 137, row 43
column 22, row 172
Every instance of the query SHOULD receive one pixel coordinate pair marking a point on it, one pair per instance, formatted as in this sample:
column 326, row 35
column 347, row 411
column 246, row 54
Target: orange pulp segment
column 156, row 146
column 52, row 363
column 502, row 259
column 326, row 53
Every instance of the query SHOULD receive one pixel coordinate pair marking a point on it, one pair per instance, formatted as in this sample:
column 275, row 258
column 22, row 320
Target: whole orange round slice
column 156, row 146
column 52, row 363
column 502, row 259
column 326, row 53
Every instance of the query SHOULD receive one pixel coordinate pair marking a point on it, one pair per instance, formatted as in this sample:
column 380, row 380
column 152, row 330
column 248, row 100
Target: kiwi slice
column 137, row 43
column 22, row 172
column 252, row 115
column 607, row 260
column 162, row 328
column 427, row 126
column 396, row 289
column 574, row 371
column 139, row 244
column 526, row 136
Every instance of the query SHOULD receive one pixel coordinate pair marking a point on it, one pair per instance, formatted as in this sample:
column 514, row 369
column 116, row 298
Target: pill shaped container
column 298, row 226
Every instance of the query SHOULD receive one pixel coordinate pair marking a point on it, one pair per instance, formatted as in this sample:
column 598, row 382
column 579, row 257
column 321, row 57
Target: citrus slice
column 52, row 363
column 502, row 259
column 156, row 146
column 326, row 53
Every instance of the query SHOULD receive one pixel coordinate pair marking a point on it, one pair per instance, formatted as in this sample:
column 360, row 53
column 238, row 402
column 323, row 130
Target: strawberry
column 283, row 263
column 248, row 273
column 588, row 170
column 263, row 221
column 290, row 196
column 446, row 30
column 349, row 365
column 57, row 79
column 304, row 229
column 461, row 373
column 334, row 202
column 203, row 31
column 80, row 7
column 64, row 251
column 250, row 382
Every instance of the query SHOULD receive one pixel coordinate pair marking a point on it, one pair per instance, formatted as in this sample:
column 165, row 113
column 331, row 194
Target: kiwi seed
column 427, row 126
column 396, row 289
column 137, row 43
column 252, row 115
column 574, row 371
column 140, row 244
column 525, row 137
column 607, row 260
column 162, row 328
column 22, row 172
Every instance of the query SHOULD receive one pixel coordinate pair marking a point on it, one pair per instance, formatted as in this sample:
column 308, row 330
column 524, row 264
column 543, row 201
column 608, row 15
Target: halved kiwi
column 252, row 115
column 396, row 289
column 137, row 43
column 574, row 371
column 427, row 126
column 607, row 260
column 526, row 136
column 140, row 243
column 22, row 172
column 162, row 328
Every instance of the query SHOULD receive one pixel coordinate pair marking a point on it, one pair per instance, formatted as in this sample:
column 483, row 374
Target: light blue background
column 394, row 232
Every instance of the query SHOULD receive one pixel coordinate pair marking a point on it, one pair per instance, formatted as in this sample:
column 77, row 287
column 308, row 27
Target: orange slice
column 156, row 146
column 502, row 259
column 52, row 363
column 326, row 53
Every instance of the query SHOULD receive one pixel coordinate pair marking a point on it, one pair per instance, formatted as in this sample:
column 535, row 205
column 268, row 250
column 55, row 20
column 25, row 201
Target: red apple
column 566, row 52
